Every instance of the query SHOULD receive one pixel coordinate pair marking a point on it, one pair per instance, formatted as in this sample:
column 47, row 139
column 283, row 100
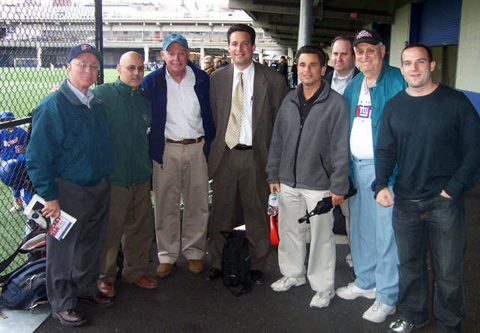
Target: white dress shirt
column 184, row 119
column 248, row 76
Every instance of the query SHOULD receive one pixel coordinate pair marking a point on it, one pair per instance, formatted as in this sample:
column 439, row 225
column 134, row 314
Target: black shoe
column 213, row 274
column 98, row 299
column 70, row 317
column 257, row 276
column 352, row 275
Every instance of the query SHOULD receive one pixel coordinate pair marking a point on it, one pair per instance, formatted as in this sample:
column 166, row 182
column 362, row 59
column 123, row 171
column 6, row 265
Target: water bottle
column 273, row 203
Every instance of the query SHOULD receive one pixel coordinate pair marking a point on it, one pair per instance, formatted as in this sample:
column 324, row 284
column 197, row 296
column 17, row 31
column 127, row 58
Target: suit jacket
column 268, row 92
column 329, row 76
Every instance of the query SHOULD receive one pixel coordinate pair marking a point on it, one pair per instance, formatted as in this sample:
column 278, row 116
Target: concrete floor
column 185, row 302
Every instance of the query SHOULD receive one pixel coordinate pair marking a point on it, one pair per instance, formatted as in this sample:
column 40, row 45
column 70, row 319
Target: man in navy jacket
column 181, row 133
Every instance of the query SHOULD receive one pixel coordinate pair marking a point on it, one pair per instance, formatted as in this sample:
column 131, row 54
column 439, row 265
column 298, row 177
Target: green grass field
column 21, row 89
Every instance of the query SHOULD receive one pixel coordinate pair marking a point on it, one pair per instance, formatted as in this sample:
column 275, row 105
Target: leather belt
column 242, row 147
column 186, row 141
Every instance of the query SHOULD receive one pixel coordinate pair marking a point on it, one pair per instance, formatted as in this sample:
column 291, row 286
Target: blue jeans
column 441, row 222
column 372, row 240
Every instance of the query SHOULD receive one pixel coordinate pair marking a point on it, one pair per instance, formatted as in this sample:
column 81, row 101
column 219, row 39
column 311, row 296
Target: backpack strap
column 4, row 264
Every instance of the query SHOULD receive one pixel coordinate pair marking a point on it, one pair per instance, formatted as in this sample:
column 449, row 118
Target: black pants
column 73, row 263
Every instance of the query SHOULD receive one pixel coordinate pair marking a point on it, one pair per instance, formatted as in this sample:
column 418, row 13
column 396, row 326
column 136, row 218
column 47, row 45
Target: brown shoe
column 164, row 270
column 70, row 317
column 106, row 288
column 195, row 266
column 144, row 282
column 98, row 299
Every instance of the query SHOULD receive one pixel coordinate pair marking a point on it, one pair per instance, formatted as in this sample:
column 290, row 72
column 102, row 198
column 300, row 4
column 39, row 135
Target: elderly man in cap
column 68, row 160
column 374, row 250
column 181, row 133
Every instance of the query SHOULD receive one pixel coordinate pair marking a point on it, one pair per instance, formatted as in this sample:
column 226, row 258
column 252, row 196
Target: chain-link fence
column 35, row 37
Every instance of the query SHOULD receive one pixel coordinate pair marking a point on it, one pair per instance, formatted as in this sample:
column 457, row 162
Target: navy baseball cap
column 367, row 36
column 175, row 38
column 83, row 48
column 6, row 115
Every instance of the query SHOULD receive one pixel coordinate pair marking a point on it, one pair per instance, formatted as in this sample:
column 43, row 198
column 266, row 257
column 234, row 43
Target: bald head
column 131, row 69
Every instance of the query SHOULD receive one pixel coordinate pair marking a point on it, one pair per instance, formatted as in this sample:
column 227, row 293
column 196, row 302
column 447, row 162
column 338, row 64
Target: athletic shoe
column 322, row 299
column 286, row 283
column 378, row 312
column 15, row 208
column 352, row 291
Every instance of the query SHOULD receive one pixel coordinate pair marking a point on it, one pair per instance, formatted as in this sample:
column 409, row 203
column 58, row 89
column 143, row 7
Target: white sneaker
column 352, row 291
column 15, row 208
column 322, row 299
column 286, row 283
column 378, row 312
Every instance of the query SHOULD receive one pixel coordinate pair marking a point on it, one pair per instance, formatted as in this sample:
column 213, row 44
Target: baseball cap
column 7, row 115
column 175, row 38
column 367, row 36
column 83, row 48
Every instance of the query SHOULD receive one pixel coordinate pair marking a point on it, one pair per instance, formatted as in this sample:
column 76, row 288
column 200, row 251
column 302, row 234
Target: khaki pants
column 292, row 249
column 129, row 222
column 182, row 174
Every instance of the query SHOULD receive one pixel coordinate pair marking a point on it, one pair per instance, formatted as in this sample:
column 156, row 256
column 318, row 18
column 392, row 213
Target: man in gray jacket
column 307, row 161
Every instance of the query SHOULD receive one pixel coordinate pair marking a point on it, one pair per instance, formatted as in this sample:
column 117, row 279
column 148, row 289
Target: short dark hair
column 241, row 27
column 423, row 46
column 311, row 49
column 346, row 39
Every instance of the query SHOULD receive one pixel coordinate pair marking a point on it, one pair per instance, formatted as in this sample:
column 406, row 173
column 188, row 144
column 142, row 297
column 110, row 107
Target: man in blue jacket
column 181, row 133
column 68, row 160
column 372, row 241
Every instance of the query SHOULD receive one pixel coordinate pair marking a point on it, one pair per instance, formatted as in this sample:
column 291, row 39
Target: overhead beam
column 355, row 14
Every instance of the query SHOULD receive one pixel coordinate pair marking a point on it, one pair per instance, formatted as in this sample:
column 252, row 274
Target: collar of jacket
column 127, row 89
column 65, row 90
column 321, row 98
column 163, row 82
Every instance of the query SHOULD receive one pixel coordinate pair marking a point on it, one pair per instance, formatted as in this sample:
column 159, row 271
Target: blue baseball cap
column 7, row 115
column 83, row 48
column 175, row 38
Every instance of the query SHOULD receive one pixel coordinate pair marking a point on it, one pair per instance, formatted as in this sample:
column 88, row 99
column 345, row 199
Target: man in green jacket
column 127, row 111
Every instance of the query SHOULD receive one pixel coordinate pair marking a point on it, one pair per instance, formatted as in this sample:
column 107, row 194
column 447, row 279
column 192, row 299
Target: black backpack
column 26, row 287
column 236, row 263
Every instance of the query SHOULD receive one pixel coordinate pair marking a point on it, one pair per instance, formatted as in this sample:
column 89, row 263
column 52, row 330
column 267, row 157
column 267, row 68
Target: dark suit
column 242, row 172
column 329, row 76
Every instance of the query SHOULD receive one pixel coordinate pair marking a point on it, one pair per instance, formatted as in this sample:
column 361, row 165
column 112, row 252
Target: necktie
column 235, row 121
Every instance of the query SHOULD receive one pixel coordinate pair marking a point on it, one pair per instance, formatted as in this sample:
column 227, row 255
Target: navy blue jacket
column 155, row 85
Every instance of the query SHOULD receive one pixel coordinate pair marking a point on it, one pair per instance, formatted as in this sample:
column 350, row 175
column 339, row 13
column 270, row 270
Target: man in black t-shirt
column 432, row 133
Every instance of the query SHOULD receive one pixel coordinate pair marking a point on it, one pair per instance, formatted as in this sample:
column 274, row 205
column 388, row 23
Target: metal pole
column 305, row 23
column 99, row 36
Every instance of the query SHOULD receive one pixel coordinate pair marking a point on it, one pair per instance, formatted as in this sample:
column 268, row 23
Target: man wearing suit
column 245, row 97
column 343, row 60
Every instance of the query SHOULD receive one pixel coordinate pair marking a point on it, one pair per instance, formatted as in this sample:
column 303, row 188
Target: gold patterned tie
column 235, row 121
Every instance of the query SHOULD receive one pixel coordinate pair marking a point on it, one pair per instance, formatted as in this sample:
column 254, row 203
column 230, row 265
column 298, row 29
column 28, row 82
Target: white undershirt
column 248, row 76
column 184, row 119
column 361, row 141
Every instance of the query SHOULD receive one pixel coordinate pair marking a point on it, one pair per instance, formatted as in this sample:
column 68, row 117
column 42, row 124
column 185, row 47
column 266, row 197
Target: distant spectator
column 274, row 65
column 294, row 74
column 217, row 63
column 328, row 68
column 208, row 65
column 283, row 68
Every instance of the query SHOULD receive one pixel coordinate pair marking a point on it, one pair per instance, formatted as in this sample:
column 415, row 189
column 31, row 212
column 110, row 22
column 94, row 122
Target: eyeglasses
column 83, row 65
column 369, row 51
column 132, row 68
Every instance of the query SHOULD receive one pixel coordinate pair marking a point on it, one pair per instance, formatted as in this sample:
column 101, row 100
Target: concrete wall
column 400, row 34
column 468, row 69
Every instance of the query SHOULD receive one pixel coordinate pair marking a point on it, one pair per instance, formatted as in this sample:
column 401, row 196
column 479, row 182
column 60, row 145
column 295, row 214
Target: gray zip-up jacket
column 314, row 154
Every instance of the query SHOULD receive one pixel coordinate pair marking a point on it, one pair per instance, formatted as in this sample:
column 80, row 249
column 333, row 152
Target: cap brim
column 94, row 52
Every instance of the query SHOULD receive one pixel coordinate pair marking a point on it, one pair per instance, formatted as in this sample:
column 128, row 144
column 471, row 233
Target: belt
column 242, row 147
column 186, row 141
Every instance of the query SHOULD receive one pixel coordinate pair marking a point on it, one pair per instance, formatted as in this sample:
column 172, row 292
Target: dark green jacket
column 129, row 119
